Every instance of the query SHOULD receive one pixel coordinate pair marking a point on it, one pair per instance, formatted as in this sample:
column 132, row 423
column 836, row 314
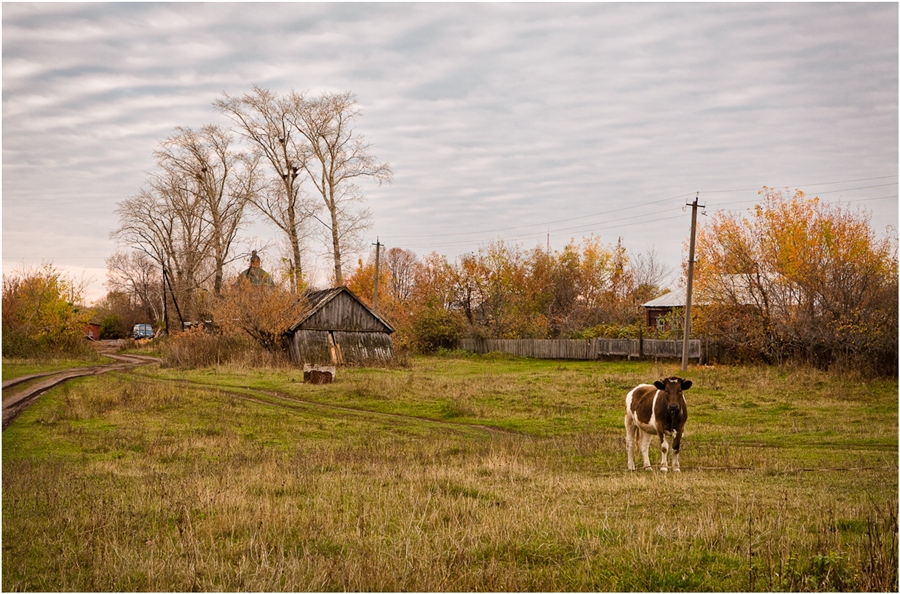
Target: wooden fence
column 562, row 348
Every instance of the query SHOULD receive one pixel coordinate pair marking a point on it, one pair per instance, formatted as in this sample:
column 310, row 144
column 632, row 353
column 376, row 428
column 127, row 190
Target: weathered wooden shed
column 338, row 328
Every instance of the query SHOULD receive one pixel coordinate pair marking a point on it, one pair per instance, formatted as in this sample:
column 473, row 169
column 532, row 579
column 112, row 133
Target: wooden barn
column 339, row 329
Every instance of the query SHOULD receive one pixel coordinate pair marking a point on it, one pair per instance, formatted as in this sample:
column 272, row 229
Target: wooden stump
column 318, row 374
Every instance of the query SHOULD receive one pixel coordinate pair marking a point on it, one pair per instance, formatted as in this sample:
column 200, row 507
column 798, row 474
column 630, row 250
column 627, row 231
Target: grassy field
column 13, row 368
column 454, row 473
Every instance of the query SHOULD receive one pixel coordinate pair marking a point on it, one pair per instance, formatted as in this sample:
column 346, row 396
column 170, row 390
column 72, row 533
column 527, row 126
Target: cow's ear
column 686, row 384
column 659, row 385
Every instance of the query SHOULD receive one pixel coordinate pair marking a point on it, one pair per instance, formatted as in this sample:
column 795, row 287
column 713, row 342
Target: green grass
column 455, row 473
column 13, row 368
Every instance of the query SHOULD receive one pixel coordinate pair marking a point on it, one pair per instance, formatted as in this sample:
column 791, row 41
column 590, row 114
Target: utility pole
column 174, row 300
column 690, row 284
column 377, row 245
column 165, row 301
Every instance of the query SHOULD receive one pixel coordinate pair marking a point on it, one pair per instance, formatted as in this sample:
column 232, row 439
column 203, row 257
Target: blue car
column 142, row 331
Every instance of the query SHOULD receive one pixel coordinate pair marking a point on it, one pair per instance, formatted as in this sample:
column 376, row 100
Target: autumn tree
column 41, row 314
column 504, row 291
column 264, row 312
column 117, row 313
column 435, row 321
column 802, row 279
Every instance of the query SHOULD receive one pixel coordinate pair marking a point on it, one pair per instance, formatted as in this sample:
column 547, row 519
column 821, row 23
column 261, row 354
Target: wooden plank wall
column 358, row 348
column 343, row 313
column 365, row 347
column 561, row 348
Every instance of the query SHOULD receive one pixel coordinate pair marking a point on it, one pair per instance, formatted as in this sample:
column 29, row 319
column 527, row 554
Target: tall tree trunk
column 335, row 241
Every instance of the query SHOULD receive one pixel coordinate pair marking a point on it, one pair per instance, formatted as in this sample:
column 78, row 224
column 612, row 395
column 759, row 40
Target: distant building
column 92, row 331
column 340, row 329
column 255, row 274
column 732, row 288
column 662, row 306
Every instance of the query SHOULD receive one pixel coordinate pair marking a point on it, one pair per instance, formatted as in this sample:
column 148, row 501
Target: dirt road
column 15, row 404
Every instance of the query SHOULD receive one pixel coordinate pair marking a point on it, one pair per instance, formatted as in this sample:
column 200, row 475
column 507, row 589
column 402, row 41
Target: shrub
column 198, row 347
column 614, row 331
column 40, row 315
column 434, row 328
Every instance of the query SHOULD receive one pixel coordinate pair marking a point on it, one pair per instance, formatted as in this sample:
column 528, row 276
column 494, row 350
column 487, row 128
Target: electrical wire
column 586, row 216
column 831, row 183
column 597, row 226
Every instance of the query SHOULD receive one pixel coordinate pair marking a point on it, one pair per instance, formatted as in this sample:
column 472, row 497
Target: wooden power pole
column 377, row 261
column 690, row 284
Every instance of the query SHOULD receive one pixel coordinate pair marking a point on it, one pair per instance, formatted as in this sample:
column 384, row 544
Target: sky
column 531, row 123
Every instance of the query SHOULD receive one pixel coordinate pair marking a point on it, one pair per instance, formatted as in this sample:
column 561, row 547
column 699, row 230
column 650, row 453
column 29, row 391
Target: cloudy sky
column 517, row 121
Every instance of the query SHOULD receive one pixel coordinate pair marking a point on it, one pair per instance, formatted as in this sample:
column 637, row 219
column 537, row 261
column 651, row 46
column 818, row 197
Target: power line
column 616, row 223
column 831, row 183
column 754, row 200
column 542, row 224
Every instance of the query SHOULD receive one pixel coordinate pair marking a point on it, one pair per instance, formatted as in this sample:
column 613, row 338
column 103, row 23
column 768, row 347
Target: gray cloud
column 493, row 116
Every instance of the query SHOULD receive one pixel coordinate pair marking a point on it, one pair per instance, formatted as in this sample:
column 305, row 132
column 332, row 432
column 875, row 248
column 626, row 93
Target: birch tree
column 266, row 122
column 336, row 157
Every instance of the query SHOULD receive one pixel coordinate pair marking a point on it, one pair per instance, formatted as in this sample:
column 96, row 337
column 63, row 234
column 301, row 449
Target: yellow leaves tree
column 799, row 278
column 40, row 314
column 264, row 312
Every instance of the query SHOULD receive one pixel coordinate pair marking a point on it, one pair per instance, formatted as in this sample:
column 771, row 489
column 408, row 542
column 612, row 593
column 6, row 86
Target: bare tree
column 135, row 274
column 401, row 265
column 649, row 275
column 335, row 157
column 264, row 120
column 209, row 169
column 264, row 311
column 166, row 223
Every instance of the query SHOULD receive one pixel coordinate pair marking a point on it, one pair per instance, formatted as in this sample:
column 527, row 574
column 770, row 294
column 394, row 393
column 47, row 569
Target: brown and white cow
column 661, row 410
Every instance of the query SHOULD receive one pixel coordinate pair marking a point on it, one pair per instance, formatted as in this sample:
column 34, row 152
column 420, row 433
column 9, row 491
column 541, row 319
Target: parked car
column 142, row 331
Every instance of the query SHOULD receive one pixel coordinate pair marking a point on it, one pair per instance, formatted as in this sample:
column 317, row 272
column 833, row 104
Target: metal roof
column 670, row 299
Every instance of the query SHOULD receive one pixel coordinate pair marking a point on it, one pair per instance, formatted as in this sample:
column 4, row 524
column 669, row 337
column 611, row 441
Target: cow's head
column 671, row 392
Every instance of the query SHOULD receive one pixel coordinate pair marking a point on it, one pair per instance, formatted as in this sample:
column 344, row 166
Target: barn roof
column 320, row 300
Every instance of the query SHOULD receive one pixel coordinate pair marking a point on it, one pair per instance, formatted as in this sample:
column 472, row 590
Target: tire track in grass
column 292, row 401
column 15, row 404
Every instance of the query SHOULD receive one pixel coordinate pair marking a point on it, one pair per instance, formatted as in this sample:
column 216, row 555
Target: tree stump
column 318, row 374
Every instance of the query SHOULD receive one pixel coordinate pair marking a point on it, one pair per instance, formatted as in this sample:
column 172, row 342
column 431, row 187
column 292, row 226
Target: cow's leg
column 645, row 449
column 676, row 442
column 630, row 428
column 664, row 449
